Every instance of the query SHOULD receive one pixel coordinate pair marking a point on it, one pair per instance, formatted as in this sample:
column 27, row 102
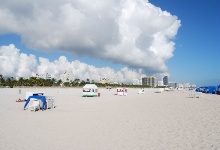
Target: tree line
column 40, row 82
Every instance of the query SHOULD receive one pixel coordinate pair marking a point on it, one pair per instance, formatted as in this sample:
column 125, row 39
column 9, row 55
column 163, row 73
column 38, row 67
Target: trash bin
column 98, row 94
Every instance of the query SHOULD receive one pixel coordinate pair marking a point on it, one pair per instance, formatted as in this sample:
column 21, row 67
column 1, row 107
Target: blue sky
column 197, row 47
column 196, row 58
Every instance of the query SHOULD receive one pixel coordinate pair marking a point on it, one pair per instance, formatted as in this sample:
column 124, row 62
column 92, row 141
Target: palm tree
column 2, row 80
column 82, row 83
column 59, row 82
column 9, row 82
column 20, row 81
column 33, row 81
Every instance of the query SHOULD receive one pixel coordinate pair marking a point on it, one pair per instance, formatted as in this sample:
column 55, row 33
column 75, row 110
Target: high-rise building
column 153, row 81
column 149, row 81
column 144, row 80
column 165, row 80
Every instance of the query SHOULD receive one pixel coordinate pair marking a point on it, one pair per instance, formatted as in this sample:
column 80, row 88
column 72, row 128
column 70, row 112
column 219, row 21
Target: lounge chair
column 35, row 105
column 195, row 95
column 159, row 90
column 141, row 92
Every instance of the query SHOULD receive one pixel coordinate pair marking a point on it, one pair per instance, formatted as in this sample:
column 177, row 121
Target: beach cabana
column 207, row 89
column 211, row 90
column 122, row 91
column 37, row 98
column 202, row 89
column 90, row 90
column 44, row 101
column 218, row 90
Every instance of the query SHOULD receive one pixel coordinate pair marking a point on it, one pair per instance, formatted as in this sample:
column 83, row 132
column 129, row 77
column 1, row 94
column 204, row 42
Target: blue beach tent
column 207, row 89
column 211, row 89
column 38, row 97
column 202, row 89
column 197, row 89
column 218, row 90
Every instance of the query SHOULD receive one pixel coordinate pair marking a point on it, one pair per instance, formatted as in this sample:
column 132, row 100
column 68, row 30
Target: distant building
column 149, row 81
column 114, row 82
column 144, row 81
column 43, row 76
column 154, row 81
column 165, row 80
column 186, row 85
column 104, row 80
column 173, row 84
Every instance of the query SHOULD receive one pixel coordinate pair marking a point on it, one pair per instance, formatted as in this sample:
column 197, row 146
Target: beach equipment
column 33, row 94
column 218, row 90
column 141, row 91
column 90, row 90
column 35, row 105
column 207, row 89
column 202, row 89
column 122, row 91
column 211, row 90
column 20, row 100
column 198, row 90
column 50, row 102
column 195, row 94
column 159, row 90
column 37, row 98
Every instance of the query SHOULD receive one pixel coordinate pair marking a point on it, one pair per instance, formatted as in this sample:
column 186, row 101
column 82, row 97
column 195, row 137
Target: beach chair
column 159, row 90
column 35, row 105
column 50, row 102
column 191, row 94
column 197, row 95
column 141, row 92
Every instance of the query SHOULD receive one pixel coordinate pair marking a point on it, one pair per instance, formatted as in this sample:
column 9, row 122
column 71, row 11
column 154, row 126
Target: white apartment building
column 104, row 80
column 43, row 76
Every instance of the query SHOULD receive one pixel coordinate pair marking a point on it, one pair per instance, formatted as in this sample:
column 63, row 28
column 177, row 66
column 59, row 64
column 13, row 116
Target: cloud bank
column 134, row 33
column 13, row 63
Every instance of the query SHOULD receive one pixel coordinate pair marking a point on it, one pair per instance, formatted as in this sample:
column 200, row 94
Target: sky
column 117, row 39
column 197, row 50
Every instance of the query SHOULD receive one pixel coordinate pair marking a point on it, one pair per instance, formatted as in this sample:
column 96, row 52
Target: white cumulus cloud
column 134, row 33
column 15, row 64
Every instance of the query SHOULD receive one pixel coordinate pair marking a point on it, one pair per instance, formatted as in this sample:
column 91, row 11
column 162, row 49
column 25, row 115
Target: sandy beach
column 150, row 121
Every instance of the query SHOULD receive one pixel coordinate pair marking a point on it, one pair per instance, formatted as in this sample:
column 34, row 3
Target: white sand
column 150, row 121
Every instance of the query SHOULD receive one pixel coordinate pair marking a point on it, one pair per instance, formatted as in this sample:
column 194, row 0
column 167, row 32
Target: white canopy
column 90, row 86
